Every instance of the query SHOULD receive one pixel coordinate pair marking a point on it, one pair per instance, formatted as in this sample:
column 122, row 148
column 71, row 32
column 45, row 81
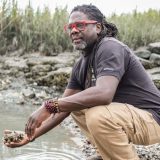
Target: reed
column 32, row 30
column 138, row 29
column 42, row 30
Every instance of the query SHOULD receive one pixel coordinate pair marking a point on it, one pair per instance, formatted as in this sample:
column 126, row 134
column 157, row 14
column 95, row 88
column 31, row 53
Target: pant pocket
column 152, row 129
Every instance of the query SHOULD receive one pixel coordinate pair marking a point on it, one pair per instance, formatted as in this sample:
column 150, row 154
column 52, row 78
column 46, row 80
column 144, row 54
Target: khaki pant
column 114, row 128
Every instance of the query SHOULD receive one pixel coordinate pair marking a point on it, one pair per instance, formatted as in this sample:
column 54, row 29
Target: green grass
column 138, row 29
column 35, row 30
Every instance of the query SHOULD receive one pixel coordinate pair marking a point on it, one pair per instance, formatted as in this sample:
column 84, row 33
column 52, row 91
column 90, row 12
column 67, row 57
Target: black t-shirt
column 115, row 59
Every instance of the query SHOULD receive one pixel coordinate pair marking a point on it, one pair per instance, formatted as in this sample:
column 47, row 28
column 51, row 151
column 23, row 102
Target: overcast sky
column 106, row 6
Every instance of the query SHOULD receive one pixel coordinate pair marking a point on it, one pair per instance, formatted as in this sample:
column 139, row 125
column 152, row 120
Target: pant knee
column 106, row 117
column 95, row 118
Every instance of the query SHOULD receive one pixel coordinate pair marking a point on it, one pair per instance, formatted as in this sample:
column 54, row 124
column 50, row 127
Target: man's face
column 82, row 31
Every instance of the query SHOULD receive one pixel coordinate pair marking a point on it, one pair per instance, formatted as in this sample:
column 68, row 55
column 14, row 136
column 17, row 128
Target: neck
column 88, row 50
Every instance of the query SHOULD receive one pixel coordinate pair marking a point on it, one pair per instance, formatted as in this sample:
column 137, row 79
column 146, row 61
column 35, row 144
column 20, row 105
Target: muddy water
column 55, row 145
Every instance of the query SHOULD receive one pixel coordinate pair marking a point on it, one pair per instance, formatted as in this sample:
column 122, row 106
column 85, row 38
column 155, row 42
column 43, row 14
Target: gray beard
column 81, row 46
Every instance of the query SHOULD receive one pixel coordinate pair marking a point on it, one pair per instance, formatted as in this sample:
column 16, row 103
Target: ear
column 98, row 27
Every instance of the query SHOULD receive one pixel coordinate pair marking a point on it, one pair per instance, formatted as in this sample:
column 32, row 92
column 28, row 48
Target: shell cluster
column 13, row 136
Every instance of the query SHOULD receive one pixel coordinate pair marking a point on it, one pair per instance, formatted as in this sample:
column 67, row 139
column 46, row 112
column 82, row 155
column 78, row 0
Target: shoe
column 94, row 157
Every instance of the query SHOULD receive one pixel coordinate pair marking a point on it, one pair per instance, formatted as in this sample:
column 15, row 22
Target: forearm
column 50, row 123
column 90, row 97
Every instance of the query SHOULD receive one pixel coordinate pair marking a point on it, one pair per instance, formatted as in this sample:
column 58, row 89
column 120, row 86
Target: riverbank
column 31, row 78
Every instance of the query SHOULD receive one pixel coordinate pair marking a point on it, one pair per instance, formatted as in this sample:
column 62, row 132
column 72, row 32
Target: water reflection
column 40, row 154
column 55, row 145
column 47, row 156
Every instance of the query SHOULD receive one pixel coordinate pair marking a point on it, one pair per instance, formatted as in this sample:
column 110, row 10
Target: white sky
column 106, row 6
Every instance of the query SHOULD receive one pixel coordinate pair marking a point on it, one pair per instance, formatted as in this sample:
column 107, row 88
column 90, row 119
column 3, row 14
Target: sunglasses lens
column 69, row 27
column 80, row 26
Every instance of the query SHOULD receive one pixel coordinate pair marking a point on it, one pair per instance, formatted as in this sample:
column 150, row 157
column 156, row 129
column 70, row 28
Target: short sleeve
column 110, row 59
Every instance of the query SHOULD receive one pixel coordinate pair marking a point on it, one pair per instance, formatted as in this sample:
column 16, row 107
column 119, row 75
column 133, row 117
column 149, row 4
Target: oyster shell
column 13, row 136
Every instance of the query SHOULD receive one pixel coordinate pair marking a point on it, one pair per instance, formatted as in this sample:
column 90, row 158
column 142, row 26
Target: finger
column 38, row 125
column 25, row 130
column 33, row 129
column 30, row 129
column 27, row 125
column 13, row 145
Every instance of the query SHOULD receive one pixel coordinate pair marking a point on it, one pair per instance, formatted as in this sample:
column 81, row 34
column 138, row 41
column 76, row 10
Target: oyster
column 13, row 136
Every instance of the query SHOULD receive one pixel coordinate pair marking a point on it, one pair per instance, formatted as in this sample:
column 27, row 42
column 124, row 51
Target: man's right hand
column 23, row 142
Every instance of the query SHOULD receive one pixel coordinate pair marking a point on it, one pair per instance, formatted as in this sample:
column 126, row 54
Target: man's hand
column 35, row 121
column 14, row 144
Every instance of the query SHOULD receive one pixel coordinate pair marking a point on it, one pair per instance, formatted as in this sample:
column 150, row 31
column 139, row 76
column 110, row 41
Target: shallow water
column 55, row 145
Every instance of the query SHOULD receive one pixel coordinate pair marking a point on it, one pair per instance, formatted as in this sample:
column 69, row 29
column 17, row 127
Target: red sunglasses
column 80, row 25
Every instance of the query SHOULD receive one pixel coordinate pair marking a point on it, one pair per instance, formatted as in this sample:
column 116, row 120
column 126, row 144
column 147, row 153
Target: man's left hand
column 35, row 121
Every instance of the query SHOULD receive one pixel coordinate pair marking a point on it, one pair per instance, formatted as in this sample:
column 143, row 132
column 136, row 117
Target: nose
column 74, row 30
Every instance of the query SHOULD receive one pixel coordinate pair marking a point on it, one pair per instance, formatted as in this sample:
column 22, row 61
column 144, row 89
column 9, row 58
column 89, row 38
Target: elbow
column 107, row 97
column 107, row 101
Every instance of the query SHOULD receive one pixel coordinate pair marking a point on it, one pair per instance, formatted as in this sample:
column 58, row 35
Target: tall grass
column 42, row 30
column 32, row 30
column 138, row 29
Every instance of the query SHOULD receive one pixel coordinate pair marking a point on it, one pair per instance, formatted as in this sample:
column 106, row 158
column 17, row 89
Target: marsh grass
column 32, row 30
column 138, row 29
column 42, row 30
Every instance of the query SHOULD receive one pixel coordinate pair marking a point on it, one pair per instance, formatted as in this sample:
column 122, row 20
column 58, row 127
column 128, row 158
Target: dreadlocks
column 93, row 13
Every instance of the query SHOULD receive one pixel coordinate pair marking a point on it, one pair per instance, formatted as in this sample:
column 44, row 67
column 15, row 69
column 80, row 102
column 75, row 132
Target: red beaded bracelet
column 52, row 106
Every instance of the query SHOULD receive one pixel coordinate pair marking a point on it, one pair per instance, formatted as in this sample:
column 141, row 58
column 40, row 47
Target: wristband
column 52, row 106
